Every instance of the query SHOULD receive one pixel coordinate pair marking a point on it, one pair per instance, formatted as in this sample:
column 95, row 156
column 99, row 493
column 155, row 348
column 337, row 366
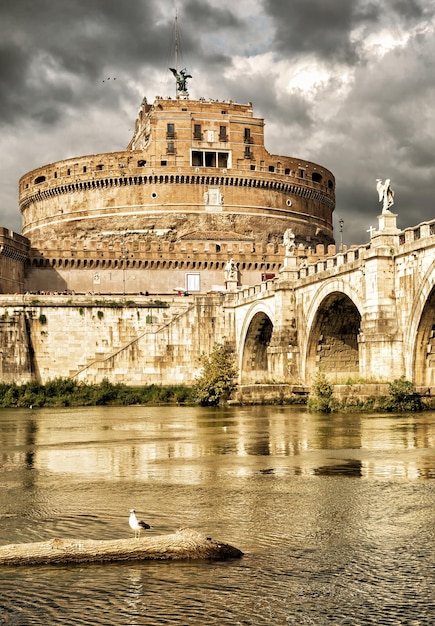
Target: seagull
column 136, row 525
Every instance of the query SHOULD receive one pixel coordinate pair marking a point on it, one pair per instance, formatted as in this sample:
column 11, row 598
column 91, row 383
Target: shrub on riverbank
column 321, row 397
column 401, row 397
column 218, row 377
column 68, row 392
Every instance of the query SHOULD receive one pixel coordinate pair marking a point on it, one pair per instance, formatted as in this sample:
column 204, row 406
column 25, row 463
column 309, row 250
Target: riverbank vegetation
column 214, row 387
column 69, row 392
column 401, row 397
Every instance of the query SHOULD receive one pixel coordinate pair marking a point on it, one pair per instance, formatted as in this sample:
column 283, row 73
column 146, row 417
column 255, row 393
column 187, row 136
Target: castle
column 196, row 206
column 194, row 189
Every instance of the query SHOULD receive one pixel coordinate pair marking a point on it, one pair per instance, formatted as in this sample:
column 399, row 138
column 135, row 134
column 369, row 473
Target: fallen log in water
column 183, row 544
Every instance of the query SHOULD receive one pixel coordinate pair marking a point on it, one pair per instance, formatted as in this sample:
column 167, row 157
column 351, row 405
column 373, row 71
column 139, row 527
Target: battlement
column 13, row 245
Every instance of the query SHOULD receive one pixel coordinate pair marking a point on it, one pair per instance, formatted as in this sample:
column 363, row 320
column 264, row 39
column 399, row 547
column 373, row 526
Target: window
column 163, row 163
column 271, row 168
column 192, row 282
column 84, row 169
column 197, row 158
column 170, row 130
column 197, row 131
column 99, row 167
column 222, row 159
column 171, row 147
column 40, row 179
column 141, row 163
column 223, row 133
column 317, row 178
column 210, row 158
column 248, row 153
column 301, row 173
column 247, row 135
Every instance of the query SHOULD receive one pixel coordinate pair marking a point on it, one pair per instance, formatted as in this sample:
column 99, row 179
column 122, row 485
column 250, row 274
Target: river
column 335, row 514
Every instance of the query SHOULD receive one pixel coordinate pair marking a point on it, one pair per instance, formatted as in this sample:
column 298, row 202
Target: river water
column 335, row 514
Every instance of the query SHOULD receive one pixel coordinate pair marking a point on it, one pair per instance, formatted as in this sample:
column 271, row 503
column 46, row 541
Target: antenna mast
column 180, row 76
column 176, row 51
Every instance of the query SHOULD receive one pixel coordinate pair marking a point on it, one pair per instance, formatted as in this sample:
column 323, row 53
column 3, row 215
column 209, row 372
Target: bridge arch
column 419, row 340
column 333, row 327
column 254, row 340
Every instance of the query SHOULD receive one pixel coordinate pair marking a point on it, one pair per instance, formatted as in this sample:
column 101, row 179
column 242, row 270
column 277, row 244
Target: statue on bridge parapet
column 386, row 194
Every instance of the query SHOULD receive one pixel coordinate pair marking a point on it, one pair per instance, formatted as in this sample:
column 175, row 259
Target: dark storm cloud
column 204, row 17
column 318, row 26
column 61, row 49
column 325, row 27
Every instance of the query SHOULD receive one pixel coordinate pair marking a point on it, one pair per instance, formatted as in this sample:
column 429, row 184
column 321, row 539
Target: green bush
column 321, row 395
column 218, row 378
column 402, row 396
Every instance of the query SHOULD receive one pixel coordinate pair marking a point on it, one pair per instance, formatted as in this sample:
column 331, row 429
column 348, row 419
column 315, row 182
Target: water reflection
column 334, row 514
column 142, row 443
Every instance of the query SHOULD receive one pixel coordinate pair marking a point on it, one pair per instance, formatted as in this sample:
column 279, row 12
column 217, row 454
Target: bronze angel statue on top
column 181, row 78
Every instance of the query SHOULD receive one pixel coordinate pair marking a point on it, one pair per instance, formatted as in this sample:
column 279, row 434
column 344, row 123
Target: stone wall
column 142, row 343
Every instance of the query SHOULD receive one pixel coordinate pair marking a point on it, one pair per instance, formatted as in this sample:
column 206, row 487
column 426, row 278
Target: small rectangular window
column 84, row 169
column 193, row 282
column 170, row 130
column 223, row 133
column 301, row 173
column 197, row 131
column 271, row 168
column 163, row 163
column 248, row 153
column 171, row 147
column 247, row 135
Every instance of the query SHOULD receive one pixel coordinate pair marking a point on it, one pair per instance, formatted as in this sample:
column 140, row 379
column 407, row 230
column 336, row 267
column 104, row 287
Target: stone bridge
column 365, row 313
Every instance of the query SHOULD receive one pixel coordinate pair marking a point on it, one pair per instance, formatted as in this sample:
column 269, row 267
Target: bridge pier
column 380, row 340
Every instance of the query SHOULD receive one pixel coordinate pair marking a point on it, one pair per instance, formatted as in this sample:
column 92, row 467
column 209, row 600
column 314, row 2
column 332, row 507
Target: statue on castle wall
column 386, row 194
column 289, row 242
column 230, row 271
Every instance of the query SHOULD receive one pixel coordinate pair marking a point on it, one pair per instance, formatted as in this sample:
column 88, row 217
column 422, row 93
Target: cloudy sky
column 349, row 84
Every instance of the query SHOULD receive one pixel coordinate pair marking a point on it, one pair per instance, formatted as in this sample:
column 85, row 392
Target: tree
column 217, row 380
